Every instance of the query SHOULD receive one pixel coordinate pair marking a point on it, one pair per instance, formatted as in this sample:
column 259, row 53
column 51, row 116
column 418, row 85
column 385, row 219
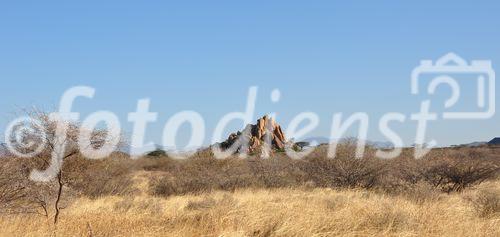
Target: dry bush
column 276, row 172
column 453, row 171
column 11, row 189
column 203, row 173
column 343, row 172
column 98, row 178
column 18, row 194
column 448, row 170
column 353, row 172
column 161, row 163
column 443, row 169
column 486, row 202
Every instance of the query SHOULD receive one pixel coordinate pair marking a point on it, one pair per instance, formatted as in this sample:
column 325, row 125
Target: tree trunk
column 59, row 194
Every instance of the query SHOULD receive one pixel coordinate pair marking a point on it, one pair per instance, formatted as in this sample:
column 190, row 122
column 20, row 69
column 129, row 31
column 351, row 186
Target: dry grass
column 450, row 192
column 267, row 212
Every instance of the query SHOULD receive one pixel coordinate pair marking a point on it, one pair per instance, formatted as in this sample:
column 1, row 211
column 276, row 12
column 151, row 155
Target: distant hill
column 324, row 140
column 314, row 141
column 472, row 144
column 381, row 145
column 495, row 141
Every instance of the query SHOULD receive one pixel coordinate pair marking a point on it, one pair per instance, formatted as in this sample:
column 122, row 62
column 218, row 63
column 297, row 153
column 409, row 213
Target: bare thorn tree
column 39, row 136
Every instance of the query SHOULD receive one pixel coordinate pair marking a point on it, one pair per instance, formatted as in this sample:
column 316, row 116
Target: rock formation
column 254, row 137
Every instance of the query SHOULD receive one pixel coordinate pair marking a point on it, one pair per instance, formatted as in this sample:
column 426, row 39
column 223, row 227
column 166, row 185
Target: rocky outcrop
column 255, row 136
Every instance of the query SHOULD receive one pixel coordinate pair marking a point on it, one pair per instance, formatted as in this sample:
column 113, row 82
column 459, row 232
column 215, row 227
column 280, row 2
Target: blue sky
column 324, row 56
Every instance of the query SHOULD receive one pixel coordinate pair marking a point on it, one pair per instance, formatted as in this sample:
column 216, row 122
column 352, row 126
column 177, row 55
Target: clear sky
column 324, row 56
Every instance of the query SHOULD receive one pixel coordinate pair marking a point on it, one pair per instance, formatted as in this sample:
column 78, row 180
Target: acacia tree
column 38, row 138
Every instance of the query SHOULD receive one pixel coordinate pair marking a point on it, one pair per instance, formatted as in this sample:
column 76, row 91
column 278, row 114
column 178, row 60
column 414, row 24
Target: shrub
column 343, row 172
column 98, row 178
column 457, row 172
column 157, row 153
column 18, row 194
column 486, row 203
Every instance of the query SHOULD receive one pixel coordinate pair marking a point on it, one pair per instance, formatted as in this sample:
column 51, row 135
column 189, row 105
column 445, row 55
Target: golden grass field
column 450, row 192
column 260, row 212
